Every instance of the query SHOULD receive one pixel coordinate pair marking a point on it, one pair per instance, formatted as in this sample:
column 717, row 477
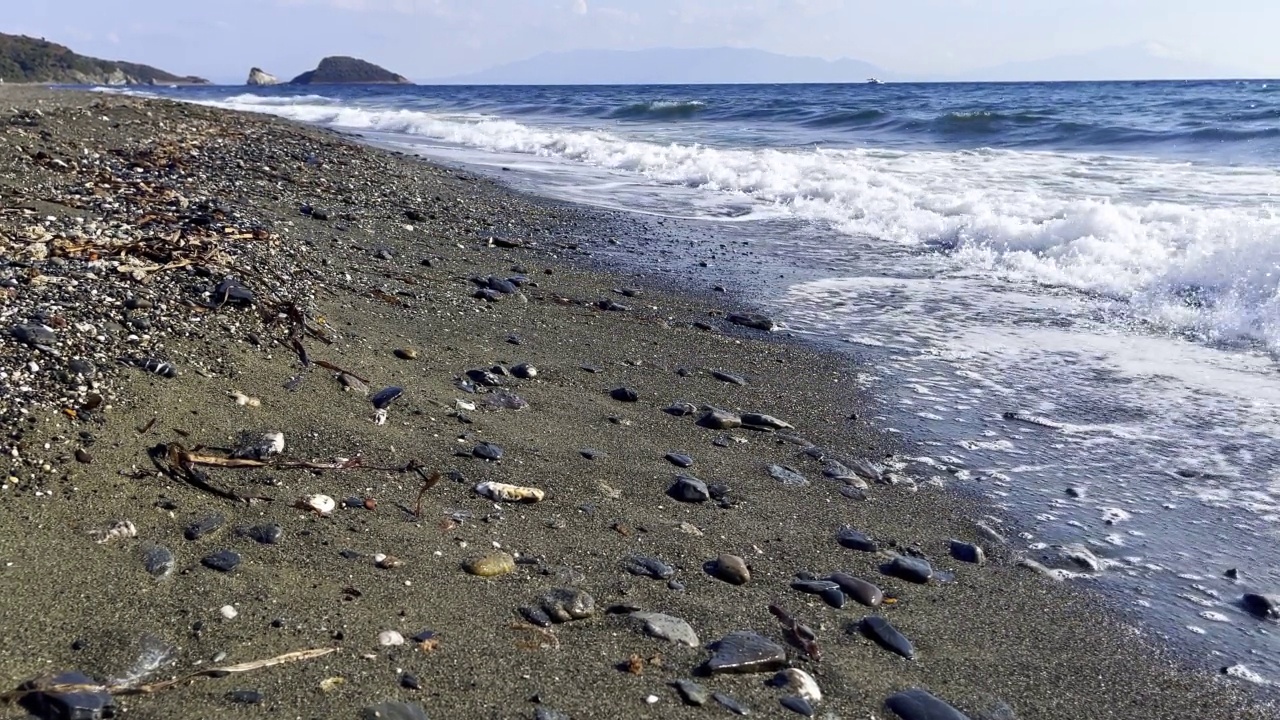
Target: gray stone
column 393, row 710
column 222, row 561
column 566, row 604
column 487, row 451
column 787, row 476
column 731, row 704
column 689, row 489
column 33, row 334
column 861, row 591
column 668, row 628
column 728, row 377
column 917, row 704
column 267, row 534
column 718, row 419
column 758, row 420
column 829, row 591
column 158, row 561
column 912, row 569
column 1263, row 606
column 693, row 693
column 650, row 567
column 679, row 459
column 856, row 540
column 203, row 527
column 884, row 633
column 729, row 568
column 753, row 320
column 745, row 652
column 624, row 394
column 798, row 705
column 967, row 552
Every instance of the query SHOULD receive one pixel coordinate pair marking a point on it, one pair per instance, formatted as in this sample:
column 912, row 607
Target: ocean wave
column 658, row 110
column 1190, row 248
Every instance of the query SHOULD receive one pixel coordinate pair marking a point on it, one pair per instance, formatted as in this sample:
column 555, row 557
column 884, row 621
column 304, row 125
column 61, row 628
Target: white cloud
column 580, row 7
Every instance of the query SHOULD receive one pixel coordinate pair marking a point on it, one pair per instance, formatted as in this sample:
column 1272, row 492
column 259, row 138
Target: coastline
column 997, row 635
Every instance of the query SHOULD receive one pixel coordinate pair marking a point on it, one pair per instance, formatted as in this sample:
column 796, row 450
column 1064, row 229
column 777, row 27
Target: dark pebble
column 83, row 456
column 84, row 705
column 268, row 534
column 222, row 561
column 852, row 492
column 544, row 713
column 752, row 320
column 799, row 705
column 860, row 590
column 536, row 616
column 689, row 489
column 524, row 371
column 829, row 591
column 487, row 451
column 384, row 397
column 643, row 566
column 917, row 704
column 728, row 377
column 1263, row 606
column 679, row 460
column 136, row 303
column 392, row 710
column 879, row 629
column 745, row 652
column 624, row 394
column 158, row 561
column 675, row 585
column 967, row 552
column 502, row 285
column 718, row 419
column 203, row 527
column 486, row 377
column 912, row 569
column 787, row 476
column 731, row 704
column 424, row 636
column 33, row 334
column 565, row 604
column 245, row 697
column 855, row 540
column 591, row 454
column 409, row 681
column 693, row 693
column 487, row 294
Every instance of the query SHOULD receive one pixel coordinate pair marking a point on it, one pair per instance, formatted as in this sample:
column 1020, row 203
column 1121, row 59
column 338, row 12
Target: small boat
column 873, row 81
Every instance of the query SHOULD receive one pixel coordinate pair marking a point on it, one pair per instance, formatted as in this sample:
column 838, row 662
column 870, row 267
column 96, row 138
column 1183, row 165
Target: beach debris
column 753, row 320
column 829, row 591
column 491, row 565
column 244, row 400
column 1265, row 606
column 800, row 683
column 393, row 710
column 689, row 489
column 729, row 568
column 203, row 526
column 509, row 493
column 330, row 684
column 230, row 291
column 906, row 567
column 120, row 529
column 745, row 652
column 406, row 353
column 862, row 592
column 158, row 561
column 83, row 699
column 967, row 552
column 731, row 704
column 691, row 692
column 387, row 562
column 855, row 540
column 787, row 476
column 252, row 446
column 798, row 634
column 917, row 704
column 322, row 505
column 887, row 636
column 390, row 638
column 667, row 627
column 650, row 567
column 624, row 394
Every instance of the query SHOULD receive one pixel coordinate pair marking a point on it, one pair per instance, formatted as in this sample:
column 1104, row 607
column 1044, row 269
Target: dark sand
column 999, row 638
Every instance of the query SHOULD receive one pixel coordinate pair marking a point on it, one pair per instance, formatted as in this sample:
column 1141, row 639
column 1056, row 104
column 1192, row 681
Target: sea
column 1065, row 297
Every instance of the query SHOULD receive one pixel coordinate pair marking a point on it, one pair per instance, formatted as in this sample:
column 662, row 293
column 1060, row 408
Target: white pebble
column 651, row 699
column 389, row 638
column 229, row 612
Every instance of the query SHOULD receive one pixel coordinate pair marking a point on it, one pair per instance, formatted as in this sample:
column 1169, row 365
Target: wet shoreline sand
column 373, row 279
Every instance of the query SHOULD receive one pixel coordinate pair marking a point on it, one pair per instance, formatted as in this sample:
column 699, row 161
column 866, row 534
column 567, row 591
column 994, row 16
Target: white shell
column 322, row 504
column 118, row 529
column 229, row 612
column 390, row 638
column 801, row 683
column 277, row 442
column 244, row 400
column 509, row 493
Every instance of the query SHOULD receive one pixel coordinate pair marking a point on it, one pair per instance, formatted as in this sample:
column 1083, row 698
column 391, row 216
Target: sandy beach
column 350, row 254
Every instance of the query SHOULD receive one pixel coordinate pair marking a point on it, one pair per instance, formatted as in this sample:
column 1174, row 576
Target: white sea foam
column 1189, row 247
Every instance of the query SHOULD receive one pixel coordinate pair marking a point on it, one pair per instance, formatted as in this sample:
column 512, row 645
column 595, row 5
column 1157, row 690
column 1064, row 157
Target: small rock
column 86, row 704
column 650, row 567
column 728, row 377
column 203, row 527
column 768, row 422
column 680, row 409
column 34, row 334
column 679, row 459
column 718, row 419
column 917, row 704
column 566, row 604
column 524, row 371
column 855, row 540
column 912, row 569
column 787, row 476
column 158, row 561
column 745, row 652
column 545, row 713
column 245, row 697
column 753, row 320
column 390, row 638
column 860, row 590
column 1260, row 605
column 537, row 616
column 799, row 682
column 669, row 628
column 731, row 704
column 967, row 552
column 406, row 353
column 491, row 565
column 83, row 456
column 486, row 378
column 319, row 504
column 383, row 398
column 880, row 630
column 409, row 681
column 829, row 591
column 222, row 561
column 624, row 394
column 267, row 534
column 689, row 489
column 392, row 710
column 729, row 568
column 487, row 451
column 693, row 693
column 591, row 454
column 798, row 705
column 228, row 612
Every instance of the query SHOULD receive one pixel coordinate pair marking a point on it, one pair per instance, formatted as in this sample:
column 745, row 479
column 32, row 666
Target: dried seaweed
column 798, row 634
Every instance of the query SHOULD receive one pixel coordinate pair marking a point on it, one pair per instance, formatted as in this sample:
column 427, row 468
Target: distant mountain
column 341, row 70
column 1146, row 61
column 669, row 66
column 32, row 60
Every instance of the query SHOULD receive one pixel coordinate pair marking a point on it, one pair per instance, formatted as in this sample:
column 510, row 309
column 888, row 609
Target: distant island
column 670, row 66
column 342, row 70
column 31, row 60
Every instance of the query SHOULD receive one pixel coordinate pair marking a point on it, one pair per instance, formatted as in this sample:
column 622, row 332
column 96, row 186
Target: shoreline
column 996, row 636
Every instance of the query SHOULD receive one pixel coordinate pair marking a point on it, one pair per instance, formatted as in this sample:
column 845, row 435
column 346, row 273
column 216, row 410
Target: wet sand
column 999, row 639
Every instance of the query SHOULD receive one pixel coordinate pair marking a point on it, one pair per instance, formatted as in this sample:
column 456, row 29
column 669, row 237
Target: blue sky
column 423, row 39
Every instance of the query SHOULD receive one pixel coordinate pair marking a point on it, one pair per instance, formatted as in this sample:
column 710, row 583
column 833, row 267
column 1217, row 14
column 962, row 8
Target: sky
column 425, row 39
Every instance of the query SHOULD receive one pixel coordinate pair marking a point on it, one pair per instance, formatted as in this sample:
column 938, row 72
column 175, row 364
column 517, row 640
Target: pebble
column 912, row 569
column 384, row 397
column 203, row 527
column 566, row 604
column 228, row 612
column 731, row 704
column 319, row 504
column 544, row 713
column 692, row 693
column 729, row 568
column 689, row 489
column 624, row 394
column 679, row 459
column 855, row 540
column 758, row 420
column 245, row 697
column 268, row 534
column 667, row 627
column 787, row 476
column 1260, row 605
column 222, row 561
column 83, row 456
column 753, row 320
column 524, row 371
column 591, row 454
column 860, row 590
column 487, row 451
column 644, row 566
column 158, row 561
column 680, row 409
column 718, row 419
column 509, row 493
column 728, row 377
column 798, row 705
column 90, row 704
column 745, row 652
column 393, row 710
column 390, row 638
column 880, row 630
column 406, row 353
column 917, row 704
column 829, row 591
column 486, row 378
column 491, row 565
column 799, row 682
column 409, row 681
column 967, row 552
column 34, row 334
